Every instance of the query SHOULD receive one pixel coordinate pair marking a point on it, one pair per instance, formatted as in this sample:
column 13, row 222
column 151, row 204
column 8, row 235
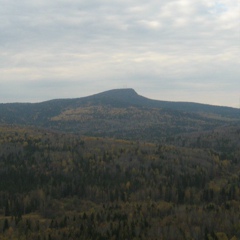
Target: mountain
column 119, row 113
column 145, row 169
column 127, row 97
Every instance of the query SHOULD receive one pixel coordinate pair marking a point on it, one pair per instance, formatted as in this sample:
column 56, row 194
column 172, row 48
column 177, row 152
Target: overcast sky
column 179, row 50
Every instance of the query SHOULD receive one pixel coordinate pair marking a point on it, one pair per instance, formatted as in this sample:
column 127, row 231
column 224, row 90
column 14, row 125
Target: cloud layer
column 182, row 50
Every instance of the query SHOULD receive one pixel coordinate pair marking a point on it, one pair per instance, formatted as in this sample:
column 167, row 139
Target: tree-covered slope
column 63, row 186
column 120, row 113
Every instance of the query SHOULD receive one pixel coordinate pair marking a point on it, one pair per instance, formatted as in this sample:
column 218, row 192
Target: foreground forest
column 57, row 185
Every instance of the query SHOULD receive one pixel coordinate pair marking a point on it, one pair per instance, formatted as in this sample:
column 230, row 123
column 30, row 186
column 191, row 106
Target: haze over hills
column 120, row 113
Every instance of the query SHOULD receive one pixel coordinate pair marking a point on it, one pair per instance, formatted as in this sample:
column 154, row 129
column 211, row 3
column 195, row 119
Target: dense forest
column 57, row 185
column 117, row 165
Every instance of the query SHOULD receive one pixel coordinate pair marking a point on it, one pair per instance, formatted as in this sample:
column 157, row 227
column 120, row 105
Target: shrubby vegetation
column 64, row 186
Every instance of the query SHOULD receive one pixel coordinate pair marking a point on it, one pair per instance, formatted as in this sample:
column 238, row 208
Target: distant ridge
column 119, row 113
column 122, row 97
column 128, row 96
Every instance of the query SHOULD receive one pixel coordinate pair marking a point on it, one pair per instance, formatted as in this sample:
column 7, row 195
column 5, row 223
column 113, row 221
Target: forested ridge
column 117, row 165
column 57, row 185
column 119, row 113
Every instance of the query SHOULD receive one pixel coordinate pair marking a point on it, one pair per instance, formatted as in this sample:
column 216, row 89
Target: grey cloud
column 172, row 43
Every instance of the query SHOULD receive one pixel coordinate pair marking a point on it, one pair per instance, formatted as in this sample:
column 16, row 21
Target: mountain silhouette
column 119, row 113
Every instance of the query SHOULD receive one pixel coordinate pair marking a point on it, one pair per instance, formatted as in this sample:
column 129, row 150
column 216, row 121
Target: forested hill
column 129, row 97
column 120, row 113
column 58, row 186
column 117, row 165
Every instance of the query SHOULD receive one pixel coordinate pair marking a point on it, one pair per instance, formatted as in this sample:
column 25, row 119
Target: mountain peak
column 117, row 97
column 120, row 92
